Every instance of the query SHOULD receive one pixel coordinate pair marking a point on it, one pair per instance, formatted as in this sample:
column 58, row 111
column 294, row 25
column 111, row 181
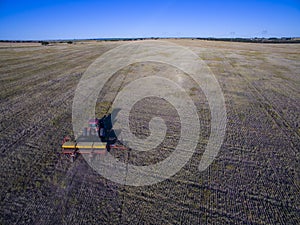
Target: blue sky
column 65, row 19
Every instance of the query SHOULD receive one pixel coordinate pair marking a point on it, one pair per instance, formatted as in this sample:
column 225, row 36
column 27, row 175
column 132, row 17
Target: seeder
column 97, row 138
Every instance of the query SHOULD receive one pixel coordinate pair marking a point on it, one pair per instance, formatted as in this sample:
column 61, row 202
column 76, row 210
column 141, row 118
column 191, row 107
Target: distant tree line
column 248, row 40
column 255, row 40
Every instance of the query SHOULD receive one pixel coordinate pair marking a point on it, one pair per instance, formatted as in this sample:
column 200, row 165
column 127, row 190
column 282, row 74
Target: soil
column 254, row 179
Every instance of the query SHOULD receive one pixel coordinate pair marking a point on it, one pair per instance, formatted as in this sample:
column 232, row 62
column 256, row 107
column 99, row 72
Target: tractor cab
column 94, row 124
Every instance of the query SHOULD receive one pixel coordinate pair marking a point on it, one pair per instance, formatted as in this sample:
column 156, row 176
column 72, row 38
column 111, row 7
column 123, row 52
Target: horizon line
column 154, row 37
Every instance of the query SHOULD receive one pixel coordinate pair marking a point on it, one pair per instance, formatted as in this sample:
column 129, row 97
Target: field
column 255, row 178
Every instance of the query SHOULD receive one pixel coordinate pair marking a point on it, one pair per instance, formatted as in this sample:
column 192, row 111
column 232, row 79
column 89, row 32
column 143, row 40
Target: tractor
column 92, row 129
column 97, row 138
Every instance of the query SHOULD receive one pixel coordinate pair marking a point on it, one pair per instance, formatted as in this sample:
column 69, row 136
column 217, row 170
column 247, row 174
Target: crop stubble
column 255, row 177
